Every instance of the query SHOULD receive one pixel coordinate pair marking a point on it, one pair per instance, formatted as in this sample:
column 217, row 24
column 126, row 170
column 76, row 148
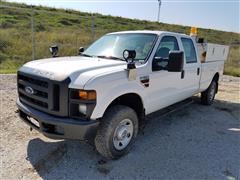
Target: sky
column 213, row 14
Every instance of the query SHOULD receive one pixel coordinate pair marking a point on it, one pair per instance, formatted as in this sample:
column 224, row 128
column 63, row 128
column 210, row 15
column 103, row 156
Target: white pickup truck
column 104, row 93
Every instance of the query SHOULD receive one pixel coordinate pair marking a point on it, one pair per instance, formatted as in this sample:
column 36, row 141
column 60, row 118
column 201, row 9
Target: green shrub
column 71, row 29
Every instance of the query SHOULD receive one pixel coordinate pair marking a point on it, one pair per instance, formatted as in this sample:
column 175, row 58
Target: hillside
column 71, row 29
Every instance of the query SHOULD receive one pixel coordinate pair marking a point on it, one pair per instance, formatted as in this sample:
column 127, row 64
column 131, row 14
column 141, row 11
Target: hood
column 60, row 68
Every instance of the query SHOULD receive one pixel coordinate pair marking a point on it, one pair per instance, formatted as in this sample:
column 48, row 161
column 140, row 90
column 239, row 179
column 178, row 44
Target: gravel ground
column 196, row 142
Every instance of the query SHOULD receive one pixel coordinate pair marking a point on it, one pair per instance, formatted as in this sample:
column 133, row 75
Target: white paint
column 110, row 79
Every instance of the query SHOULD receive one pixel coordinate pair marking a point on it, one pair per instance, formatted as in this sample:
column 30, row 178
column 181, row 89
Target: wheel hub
column 123, row 134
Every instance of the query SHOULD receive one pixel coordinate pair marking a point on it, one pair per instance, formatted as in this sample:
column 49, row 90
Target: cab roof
column 148, row 32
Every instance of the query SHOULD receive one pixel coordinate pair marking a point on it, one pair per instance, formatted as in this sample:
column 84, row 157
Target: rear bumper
column 56, row 127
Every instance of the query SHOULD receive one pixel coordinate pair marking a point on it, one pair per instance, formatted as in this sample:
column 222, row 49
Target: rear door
column 191, row 71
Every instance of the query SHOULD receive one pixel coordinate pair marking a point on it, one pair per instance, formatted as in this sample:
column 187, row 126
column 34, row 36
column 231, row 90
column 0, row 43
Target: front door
column 165, row 87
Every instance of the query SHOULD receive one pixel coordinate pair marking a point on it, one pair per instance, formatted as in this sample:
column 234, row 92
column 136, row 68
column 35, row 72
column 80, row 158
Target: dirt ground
column 195, row 142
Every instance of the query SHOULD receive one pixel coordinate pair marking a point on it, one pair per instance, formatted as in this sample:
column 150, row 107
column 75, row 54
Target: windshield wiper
column 86, row 55
column 111, row 57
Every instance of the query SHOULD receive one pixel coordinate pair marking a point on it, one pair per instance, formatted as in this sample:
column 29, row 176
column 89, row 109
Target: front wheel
column 208, row 96
column 116, row 132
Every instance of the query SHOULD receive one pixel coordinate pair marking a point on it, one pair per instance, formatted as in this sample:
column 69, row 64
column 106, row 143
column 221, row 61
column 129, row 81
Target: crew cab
column 104, row 93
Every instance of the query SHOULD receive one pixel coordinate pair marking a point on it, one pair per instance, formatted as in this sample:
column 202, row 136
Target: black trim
column 182, row 74
column 51, row 96
column 190, row 62
column 145, row 81
column 56, row 97
column 74, row 103
column 58, row 127
column 198, row 71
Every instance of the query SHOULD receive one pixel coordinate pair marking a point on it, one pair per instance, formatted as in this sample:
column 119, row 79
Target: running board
column 172, row 108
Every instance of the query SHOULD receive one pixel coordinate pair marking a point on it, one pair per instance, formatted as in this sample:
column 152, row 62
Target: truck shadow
column 194, row 142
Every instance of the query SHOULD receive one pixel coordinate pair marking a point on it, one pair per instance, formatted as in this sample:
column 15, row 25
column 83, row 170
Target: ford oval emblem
column 29, row 90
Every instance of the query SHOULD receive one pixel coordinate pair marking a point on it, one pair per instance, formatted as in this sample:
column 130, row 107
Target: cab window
column 189, row 50
column 167, row 44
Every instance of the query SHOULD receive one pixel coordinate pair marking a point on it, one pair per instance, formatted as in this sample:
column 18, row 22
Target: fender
column 105, row 98
column 216, row 76
column 209, row 72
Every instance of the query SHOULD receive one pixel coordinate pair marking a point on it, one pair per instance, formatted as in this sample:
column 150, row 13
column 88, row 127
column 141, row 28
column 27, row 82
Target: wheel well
column 216, row 78
column 131, row 100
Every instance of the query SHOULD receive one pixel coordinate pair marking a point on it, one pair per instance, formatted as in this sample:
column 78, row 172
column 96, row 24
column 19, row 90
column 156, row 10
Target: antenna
column 159, row 6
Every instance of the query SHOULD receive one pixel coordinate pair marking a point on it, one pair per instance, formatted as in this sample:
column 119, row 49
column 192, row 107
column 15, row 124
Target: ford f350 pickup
column 104, row 93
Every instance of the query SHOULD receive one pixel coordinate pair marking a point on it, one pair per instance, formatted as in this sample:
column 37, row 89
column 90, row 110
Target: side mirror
column 54, row 50
column 80, row 50
column 175, row 62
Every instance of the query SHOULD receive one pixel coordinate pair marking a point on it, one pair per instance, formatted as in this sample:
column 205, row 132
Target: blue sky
column 213, row 14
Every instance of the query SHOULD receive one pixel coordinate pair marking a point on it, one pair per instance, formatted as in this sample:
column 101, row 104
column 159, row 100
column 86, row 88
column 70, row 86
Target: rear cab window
column 189, row 50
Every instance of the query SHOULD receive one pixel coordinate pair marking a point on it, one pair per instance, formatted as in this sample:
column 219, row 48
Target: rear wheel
column 117, row 132
column 208, row 96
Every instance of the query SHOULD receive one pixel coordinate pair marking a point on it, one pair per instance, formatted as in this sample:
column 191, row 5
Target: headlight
column 81, row 103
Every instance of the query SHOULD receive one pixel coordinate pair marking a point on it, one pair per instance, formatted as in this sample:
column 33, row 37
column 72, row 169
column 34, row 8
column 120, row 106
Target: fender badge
column 144, row 81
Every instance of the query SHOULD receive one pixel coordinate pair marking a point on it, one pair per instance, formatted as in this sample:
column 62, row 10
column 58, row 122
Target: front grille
column 33, row 81
column 32, row 100
column 44, row 94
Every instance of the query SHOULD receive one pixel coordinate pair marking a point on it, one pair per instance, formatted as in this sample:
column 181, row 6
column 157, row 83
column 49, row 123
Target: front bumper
column 56, row 127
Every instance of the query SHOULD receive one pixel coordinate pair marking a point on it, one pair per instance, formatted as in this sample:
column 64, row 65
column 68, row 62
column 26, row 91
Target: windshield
column 113, row 45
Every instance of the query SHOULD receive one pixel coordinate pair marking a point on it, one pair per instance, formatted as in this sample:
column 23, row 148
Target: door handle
column 198, row 71
column 182, row 74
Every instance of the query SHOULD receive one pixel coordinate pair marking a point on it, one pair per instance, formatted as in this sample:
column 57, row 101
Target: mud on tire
column 105, row 142
column 208, row 95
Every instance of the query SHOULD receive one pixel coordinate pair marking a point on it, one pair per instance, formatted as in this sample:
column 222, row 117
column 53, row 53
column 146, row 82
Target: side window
column 168, row 43
column 189, row 50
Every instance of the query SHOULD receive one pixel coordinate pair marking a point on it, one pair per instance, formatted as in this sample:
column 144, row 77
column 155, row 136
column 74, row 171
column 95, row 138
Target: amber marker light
column 87, row 95
column 193, row 31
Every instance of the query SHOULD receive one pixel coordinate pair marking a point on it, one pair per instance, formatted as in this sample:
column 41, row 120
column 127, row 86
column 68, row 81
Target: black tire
column 104, row 137
column 208, row 95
